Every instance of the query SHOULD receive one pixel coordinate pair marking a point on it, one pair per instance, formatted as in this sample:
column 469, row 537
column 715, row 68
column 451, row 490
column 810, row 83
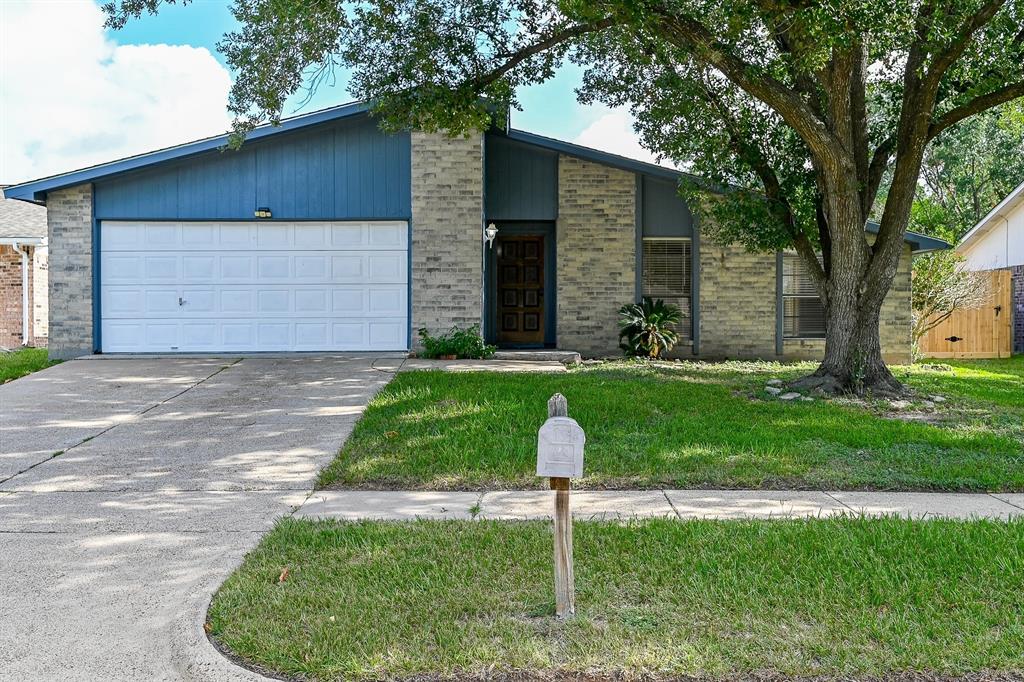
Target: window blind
column 803, row 313
column 667, row 274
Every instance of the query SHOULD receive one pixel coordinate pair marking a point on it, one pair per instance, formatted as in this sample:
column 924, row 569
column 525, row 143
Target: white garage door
column 268, row 286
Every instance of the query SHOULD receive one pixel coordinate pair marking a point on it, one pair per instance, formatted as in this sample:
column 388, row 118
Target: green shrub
column 648, row 328
column 462, row 343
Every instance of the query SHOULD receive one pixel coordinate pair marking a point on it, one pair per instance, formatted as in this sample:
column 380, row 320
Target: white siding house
column 997, row 243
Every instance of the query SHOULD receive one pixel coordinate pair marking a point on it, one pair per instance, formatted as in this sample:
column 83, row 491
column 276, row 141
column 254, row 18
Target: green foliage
column 18, row 363
column 968, row 170
column 648, row 328
column 462, row 343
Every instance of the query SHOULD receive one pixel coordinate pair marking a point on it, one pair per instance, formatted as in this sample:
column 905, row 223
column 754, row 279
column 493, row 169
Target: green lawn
column 18, row 363
column 692, row 425
column 835, row 598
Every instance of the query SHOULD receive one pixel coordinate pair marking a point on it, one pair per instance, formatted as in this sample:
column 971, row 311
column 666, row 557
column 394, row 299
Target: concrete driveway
column 130, row 488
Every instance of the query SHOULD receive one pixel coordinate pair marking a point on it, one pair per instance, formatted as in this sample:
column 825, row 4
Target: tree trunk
column 853, row 353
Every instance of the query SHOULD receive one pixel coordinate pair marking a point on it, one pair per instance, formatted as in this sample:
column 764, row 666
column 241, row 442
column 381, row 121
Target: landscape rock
column 928, row 404
column 773, row 390
column 899, row 404
column 775, row 382
column 937, row 398
column 789, row 396
column 807, row 399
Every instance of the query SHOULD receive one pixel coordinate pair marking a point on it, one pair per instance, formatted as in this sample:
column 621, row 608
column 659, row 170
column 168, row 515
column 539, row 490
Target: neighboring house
column 23, row 294
column 997, row 243
column 325, row 234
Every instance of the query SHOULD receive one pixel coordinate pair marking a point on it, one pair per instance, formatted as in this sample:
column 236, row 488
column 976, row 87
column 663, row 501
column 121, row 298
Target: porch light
column 263, row 212
column 490, row 233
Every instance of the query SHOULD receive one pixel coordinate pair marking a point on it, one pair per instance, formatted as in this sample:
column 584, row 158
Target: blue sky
column 160, row 81
column 549, row 109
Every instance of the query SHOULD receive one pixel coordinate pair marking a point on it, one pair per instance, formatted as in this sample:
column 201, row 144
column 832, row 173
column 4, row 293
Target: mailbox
column 560, row 448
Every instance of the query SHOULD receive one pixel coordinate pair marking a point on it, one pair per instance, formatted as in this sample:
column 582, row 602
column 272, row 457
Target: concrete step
column 566, row 357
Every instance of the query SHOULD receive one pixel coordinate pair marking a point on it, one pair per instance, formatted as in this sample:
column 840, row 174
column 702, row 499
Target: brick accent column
column 447, row 231
column 896, row 322
column 596, row 251
column 69, row 219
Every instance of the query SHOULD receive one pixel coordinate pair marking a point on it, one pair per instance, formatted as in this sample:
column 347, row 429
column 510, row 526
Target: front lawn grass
column 691, row 425
column 18, row 363
column 454, row 599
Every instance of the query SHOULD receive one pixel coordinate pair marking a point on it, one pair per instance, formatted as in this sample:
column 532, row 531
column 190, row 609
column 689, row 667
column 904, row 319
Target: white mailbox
column 560, row 448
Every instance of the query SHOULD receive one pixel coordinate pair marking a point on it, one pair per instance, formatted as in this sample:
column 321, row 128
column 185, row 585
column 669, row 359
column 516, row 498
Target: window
column 803, row 314
column 667, row 268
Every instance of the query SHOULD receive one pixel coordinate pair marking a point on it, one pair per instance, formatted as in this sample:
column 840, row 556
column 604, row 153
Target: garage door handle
column 181, row 301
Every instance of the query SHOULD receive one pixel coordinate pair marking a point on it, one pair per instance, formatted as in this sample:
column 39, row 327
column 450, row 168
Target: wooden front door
column 520, row 266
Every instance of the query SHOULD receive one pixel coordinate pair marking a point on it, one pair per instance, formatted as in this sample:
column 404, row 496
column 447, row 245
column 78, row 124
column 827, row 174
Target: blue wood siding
column 343, row 170
column 521, row 181
column 664, row 213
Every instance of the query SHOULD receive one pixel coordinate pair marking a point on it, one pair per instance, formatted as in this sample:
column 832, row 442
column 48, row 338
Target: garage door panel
column 216, row 286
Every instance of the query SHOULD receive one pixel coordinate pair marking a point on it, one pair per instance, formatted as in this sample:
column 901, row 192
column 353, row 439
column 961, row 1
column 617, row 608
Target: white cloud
column 614, row 133
column 70, row 97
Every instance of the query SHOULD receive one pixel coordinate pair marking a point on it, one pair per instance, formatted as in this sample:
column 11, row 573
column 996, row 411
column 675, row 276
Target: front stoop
column 566, row 357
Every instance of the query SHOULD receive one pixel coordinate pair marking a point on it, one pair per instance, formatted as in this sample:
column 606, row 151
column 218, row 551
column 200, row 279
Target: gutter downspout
column 25, row 316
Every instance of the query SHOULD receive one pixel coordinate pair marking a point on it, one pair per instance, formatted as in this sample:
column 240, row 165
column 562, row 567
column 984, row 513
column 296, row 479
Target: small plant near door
column 648, row 328
column 457, row 343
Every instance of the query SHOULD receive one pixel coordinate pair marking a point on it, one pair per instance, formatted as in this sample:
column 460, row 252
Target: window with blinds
column 667, row 269
column 803, row 316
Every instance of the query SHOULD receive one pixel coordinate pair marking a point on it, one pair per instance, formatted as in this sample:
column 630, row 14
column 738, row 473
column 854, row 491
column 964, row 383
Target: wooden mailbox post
column 560, row 457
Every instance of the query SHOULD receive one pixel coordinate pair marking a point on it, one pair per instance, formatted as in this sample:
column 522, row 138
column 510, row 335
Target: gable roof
column 22, row 222
column 985, row 225
column 36, row 190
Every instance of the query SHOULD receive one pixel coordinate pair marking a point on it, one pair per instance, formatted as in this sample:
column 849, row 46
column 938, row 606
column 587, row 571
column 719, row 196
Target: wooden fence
column 984, row 332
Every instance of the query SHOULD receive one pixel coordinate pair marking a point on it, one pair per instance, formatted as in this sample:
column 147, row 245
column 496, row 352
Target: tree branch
column 693, row 36
column 975, row 106
column 520, row 56
column 964, row 35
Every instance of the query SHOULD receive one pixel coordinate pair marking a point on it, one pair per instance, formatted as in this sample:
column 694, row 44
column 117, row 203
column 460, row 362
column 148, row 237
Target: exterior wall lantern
column 263, row 212
column 490, row 233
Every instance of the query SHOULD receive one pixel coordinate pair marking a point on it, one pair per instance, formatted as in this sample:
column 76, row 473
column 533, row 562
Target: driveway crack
column 114, row 426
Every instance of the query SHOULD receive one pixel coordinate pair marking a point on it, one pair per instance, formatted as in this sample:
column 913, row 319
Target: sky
column 73, row 94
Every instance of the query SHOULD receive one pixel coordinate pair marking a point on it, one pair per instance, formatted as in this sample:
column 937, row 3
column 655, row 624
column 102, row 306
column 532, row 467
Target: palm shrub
column 648, row 328
column 461, row 343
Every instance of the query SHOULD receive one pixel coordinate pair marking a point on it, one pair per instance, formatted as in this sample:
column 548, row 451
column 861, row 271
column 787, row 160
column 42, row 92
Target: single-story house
column 997, row 243
column 326, row 234
column 23, row 263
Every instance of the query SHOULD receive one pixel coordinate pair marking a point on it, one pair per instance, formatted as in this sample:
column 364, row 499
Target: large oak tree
column 802, row 107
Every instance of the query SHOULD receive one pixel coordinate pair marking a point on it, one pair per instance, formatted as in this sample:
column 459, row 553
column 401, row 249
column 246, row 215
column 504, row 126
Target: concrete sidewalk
column 681, row 504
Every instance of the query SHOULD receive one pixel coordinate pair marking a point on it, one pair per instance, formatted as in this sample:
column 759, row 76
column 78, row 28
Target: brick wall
column 69, row 218
column 1017, row 303
column 447, row 231
column 596, row 237
column 737, row 302
column 11, row 297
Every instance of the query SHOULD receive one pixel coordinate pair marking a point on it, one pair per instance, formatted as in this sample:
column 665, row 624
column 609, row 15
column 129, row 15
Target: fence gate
column 984, row 332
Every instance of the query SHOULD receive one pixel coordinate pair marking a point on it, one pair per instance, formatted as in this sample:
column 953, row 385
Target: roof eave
column 982, row 226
